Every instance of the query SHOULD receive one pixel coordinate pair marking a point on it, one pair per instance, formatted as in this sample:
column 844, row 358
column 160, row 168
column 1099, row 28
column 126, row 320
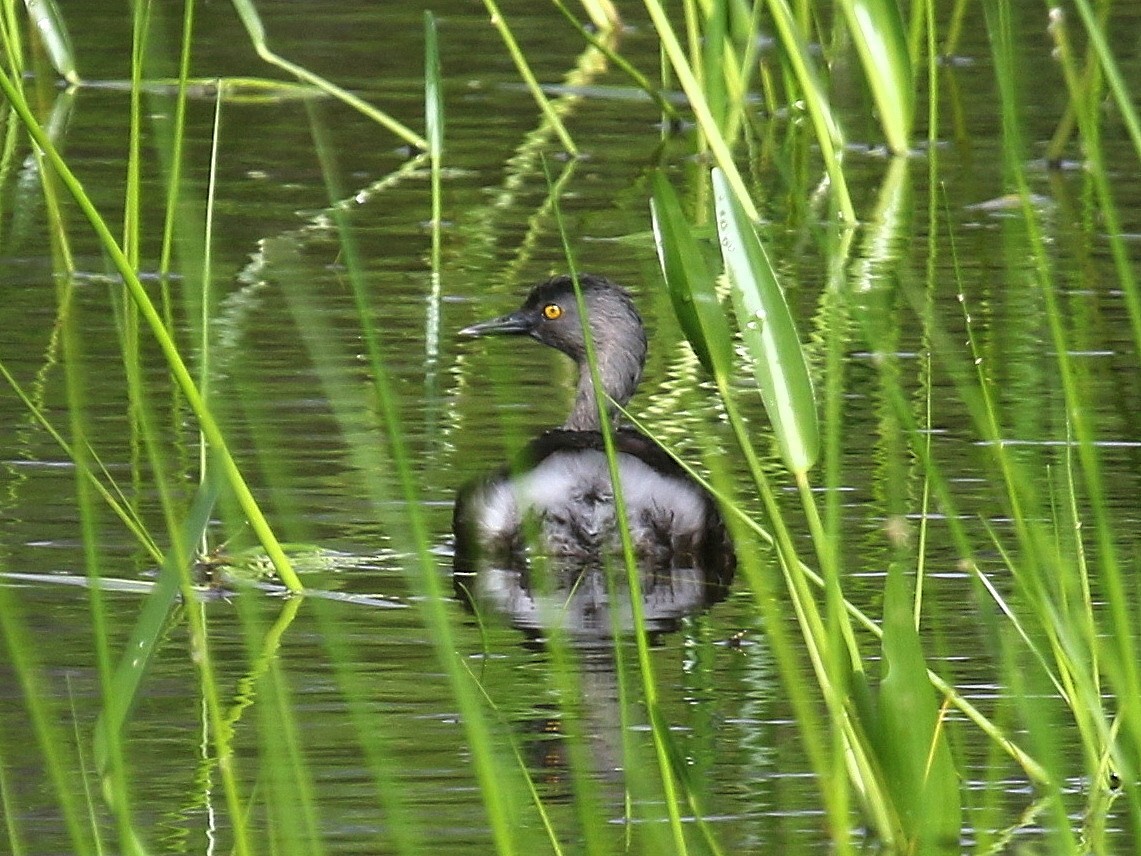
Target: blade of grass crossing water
column 786, row 390
column 827, row 129
column 1033, row 769
column 434, row 128
column 205, row 301
column 605, row 46
column 1124, row 674
column 659, row 728
column 697, row 102
column 289, row 795
column 691, row 287
column 433, row 95
column 497, row 791
column 713, row 57
column 11, row 812
column 151, row 621
column 178, row 563
column 110, row 492
column 177, row 140
column 1123, row 98
column 42, row 716
column 251, row 20
column 133, row 189
column 1088, row 117
column 115, row 779
column 768, row 331
column 11, row 39
column 162, row 336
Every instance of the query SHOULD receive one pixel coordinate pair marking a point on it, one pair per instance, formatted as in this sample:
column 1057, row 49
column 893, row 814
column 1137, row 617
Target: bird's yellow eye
column 552, row 311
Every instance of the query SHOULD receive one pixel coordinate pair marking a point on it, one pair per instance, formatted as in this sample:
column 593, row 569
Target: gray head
column 550, row 315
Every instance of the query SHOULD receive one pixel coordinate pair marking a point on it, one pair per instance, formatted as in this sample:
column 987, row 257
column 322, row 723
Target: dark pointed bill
column 507, row 325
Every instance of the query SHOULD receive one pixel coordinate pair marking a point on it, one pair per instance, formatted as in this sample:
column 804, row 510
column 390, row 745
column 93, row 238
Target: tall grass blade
column 41, row 716
column 1120, row 646
column 605, row 46
column 434, row 128
column 11, row 813
column 12, row 45
column 768, row 331
column 672, row 787
column 684, row 260
column 174, row 150
column 1121, row 95
column 433, row 96
column 500, row 794
column 52, row 29
column 205, row 299
column 878, row 32
column 36, row 193
column 106, row 487
column 713, row 58
column 1087, row 117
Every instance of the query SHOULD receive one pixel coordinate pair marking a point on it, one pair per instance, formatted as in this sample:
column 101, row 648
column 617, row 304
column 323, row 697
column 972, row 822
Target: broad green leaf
column 919, row 772
column 878, row 32
column 689, row 281
column 768, row 331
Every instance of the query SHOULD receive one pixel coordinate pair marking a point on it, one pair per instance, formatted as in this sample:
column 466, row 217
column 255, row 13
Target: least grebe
column 550, row 315
column 559, row 488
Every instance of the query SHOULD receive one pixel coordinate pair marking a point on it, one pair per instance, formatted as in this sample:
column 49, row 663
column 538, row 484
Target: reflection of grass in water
column 1059, row 613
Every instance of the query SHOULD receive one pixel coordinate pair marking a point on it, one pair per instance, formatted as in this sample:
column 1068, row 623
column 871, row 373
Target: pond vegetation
column 1031, row 551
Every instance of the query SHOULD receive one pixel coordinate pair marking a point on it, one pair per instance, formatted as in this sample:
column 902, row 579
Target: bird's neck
column 619, row 375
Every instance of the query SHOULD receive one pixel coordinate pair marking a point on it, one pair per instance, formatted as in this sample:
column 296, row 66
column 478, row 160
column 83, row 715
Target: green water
column 286, row 343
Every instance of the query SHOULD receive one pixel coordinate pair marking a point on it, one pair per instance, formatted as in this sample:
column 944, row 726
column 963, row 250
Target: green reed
column 1061, row 614
column 255, row 29
column 1082, row 701
column 524, row 68
column 499, row 793
column 659, row 728
column 1095, row 651
column 142, row 301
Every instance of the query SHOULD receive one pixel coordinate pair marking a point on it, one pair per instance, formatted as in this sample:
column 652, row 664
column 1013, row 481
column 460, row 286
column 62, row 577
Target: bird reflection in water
column 532, row 539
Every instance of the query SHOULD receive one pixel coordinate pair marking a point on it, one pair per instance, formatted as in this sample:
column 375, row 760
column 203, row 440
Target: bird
column 550, row 315
column 559, row 486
